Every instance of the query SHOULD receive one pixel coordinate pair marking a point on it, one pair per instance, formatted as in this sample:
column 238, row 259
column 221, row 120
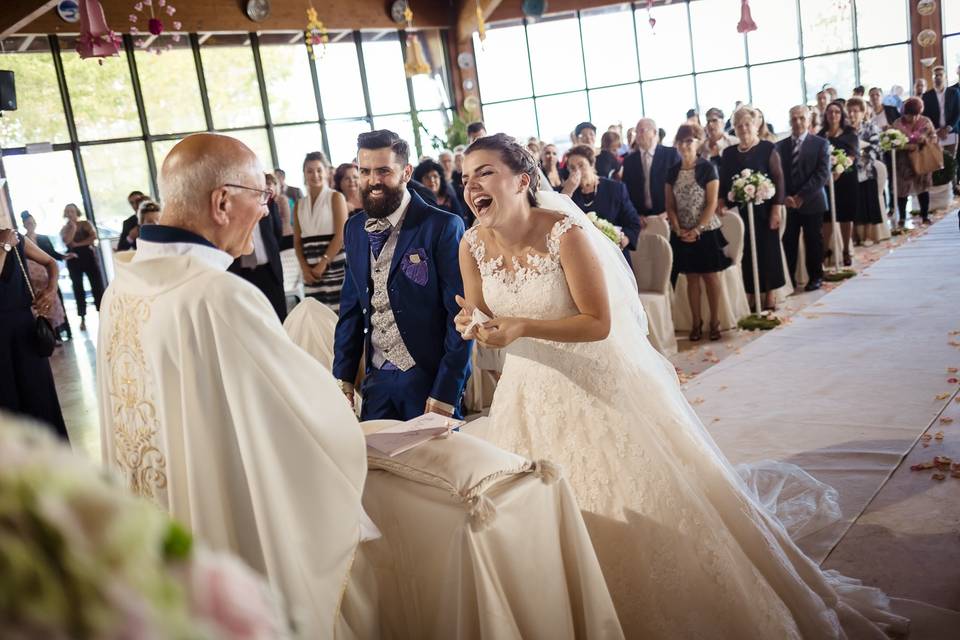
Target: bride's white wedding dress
column 685, row 551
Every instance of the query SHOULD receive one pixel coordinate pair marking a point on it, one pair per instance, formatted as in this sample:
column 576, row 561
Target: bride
column 685, row 551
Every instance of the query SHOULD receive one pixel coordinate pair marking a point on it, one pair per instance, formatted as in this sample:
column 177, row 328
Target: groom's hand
column 464, row 318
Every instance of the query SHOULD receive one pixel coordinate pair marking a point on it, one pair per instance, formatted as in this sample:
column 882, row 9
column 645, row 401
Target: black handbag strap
column 26, row 276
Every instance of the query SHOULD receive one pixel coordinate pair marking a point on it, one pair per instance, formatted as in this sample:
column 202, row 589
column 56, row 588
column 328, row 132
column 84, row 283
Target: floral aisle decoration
column 150, row 13
column 753, row 188
column 96, row 40
column 315, row 35
column 840, row 162
column 80, row 557
column 893, row 139
column 610, row 230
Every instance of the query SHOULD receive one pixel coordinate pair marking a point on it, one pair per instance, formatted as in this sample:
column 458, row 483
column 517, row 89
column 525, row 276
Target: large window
column 39, row 115
column 171, row 90
column 614, row 64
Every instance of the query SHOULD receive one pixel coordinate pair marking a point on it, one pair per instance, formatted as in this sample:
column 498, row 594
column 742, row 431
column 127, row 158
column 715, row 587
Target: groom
column 397, row 306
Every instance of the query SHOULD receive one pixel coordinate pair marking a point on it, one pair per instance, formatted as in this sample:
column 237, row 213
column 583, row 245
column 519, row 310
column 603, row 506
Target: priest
column 209, row 410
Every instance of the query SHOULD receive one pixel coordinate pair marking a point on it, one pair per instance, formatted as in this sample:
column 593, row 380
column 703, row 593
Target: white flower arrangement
column 82, row 558
column 608, row 228
column 840, row 162
column 751, row 186
column 893, row 138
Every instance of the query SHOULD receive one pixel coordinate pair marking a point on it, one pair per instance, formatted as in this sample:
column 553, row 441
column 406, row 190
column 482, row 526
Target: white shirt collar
column 211, row 256
column 394, row 218
column 799, row 139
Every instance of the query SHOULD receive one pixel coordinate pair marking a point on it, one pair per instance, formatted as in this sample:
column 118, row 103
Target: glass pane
column 101, row 95
column 558, row 116
column 160, row 150
column 430, row 90
column 433, row 124
column 171, row 92
column 836, row 70
column 885, row 67
column 827, row 26
column 716, row 43
column 232, row 86
column 951, row 55
column 513, row 118
column 776, row 89
column 293, row 143
column 609, row 46
column 951, row 20
column 257, row 140
column 616, row 105
column 39, row 115
column 721, row 89
column 665, row 48
column 881, row 22
column 286, row 71
column 667, row 102
column 113, row 171
column 776, row 37
column 386, row 78
column 555, row 54
column 31, row 188
column 338, row 73
column 342, row 138
column 402, row 125
column 501, row 68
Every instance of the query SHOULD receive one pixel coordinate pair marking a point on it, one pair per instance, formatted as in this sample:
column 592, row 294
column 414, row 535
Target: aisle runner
column 845, row 389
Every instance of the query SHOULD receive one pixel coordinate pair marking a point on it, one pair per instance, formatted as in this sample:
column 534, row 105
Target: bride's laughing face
column 492, row 191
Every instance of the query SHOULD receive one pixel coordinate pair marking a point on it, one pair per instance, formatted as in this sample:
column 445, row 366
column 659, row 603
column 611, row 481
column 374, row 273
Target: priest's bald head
column 213, row 185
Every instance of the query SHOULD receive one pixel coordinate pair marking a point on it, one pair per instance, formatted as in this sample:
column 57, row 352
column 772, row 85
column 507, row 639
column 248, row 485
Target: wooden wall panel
column 917, row 24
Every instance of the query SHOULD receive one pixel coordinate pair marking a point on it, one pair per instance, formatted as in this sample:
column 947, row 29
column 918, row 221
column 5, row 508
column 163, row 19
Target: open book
column 396, row 439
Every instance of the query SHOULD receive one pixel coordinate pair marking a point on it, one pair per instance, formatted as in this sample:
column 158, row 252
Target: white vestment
column 209, row 410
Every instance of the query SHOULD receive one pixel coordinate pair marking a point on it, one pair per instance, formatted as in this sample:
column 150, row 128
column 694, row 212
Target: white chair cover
column 482, row 382
column 292, row 278
column 652, row 262
column 781, row 294
column 656, row 225
column 733, row 297
column 880, row 231
column 311, row 326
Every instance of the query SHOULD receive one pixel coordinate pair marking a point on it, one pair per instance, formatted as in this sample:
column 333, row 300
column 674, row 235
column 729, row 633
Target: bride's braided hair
column 513, row 154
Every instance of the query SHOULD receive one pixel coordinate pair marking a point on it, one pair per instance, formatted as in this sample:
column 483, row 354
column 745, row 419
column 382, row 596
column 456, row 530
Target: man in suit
column 398, row 302
column 806, row 169
column 645, row 170
column 942, row 105
column 131, row 226
column 263, row 268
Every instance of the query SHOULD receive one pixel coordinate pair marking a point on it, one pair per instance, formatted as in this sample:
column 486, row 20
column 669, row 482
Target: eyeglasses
column 265, row 194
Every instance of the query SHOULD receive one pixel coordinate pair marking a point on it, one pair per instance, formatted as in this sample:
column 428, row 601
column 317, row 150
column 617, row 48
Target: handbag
column 926, row 159
column 44, row 337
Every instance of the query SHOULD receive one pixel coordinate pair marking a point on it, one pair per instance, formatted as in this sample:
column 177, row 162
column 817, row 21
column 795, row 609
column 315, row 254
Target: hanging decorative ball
column 746, row 24
column 652, row 21
column 926, row 7
column 315, row 34
column 534, row 8
column 155, row 24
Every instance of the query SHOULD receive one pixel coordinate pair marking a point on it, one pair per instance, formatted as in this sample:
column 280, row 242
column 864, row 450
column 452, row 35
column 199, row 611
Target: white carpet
column 848, row 386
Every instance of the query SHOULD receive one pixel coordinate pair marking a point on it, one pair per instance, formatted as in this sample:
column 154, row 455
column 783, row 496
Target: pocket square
column 414, row 266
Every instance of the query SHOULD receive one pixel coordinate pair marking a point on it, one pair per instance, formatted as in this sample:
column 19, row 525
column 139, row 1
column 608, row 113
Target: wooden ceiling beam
column 18, row 14
column 467, row 16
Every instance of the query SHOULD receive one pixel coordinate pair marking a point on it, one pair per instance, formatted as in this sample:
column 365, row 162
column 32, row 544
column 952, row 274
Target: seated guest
column 209, row 410
column 645, row 170
column 475, row 130
column 430, row 174
column 129, row 230
column 346, row 180
column 691, row 198
column 608, row 160
column 585, row 133
column 607, row 198
column 717, row 140
column 550, row 165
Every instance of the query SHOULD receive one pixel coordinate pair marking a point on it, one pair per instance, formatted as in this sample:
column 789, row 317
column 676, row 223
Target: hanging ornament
column 96, row 39
column 315, row 34
column 481, row 25
column 416, row 61
column 650, row 18
column 534, row 8
column 150, row 12
column 746, row 23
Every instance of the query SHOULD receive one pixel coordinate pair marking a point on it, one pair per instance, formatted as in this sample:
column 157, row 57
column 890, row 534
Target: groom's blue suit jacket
column 422, row 298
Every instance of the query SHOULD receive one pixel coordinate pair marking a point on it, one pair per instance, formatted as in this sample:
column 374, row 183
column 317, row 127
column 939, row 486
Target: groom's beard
column 386, row 204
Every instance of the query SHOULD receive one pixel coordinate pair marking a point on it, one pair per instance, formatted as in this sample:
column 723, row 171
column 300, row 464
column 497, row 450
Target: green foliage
column 839, row 276
column 754, row 322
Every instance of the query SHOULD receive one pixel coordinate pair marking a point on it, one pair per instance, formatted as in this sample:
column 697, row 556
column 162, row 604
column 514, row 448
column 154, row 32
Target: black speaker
column 8, row 92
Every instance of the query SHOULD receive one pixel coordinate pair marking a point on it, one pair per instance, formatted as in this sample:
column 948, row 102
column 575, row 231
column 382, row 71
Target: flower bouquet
column 606, row 227
column 751, row 187
column 840, row 162
column 80, row 558
column 893, row 139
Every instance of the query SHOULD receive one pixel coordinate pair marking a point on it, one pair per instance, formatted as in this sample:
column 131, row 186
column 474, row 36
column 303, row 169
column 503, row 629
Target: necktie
column 795, row 164
column 647, row 199
column 378, row 230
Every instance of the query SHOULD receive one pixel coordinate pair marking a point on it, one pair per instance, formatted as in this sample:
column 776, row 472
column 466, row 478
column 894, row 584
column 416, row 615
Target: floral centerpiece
column 81, row 558
column 751, row 186
column 840, row 162
column 893, row 138
column 608, row 228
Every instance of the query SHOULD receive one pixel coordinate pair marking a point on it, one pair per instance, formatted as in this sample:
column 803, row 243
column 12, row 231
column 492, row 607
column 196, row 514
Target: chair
column 656, row 225
column 879, row 231
column 733, row 297
column 292, row 278
column 311, row 326
column 784, row 292
column 482, row 383
column 652, row 263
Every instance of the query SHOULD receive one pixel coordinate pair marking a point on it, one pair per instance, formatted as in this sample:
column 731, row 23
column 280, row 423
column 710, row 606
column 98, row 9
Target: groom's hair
column 513, row 154
column 382, row 138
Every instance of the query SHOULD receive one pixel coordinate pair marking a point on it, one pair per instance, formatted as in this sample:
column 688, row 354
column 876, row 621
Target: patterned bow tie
column 377, row 225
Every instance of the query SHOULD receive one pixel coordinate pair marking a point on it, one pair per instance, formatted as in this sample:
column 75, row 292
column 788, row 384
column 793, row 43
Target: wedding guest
column 292, row 194
column 607, row 198
column 645, row 170
column 631, row 140
column 895, row 98
column 919, row 87
column 608, row 160
column 832, row 93
column 346, row 180
column 921, row 132
column 129, row 229
column 841, row 135
column 456, row 177
column 869, row 210
column 39, row 276
column 318, row 233
column 149, row 211
column 881, row 115
column 816, row 117
column 445, row 158
column 80, row 236
column 858, row 91
column 758, row 156
column 430, row 175
column 585, row 133
column 26, row 381
column 283, row 208
column 942, row 105
column 550, row 165
column 823, row 99
column 475, row 130
column 691, row 197
column 712, row 148
column 728, row 125
column 806, row 170
column 764, row 131
column 693, row 117
column 533, row 145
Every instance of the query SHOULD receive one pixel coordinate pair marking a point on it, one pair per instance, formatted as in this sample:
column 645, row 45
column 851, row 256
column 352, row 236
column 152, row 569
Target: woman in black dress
column 691, row 197
column 430, row 174
column 550, row 165
column 757, row 155
column 841, row 135
column 26, row 382
column 869, row 219
column 80, row 236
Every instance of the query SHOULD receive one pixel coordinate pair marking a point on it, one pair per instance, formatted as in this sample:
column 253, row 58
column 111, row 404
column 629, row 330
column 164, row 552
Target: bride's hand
column 499, row 332
column 464, row 318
